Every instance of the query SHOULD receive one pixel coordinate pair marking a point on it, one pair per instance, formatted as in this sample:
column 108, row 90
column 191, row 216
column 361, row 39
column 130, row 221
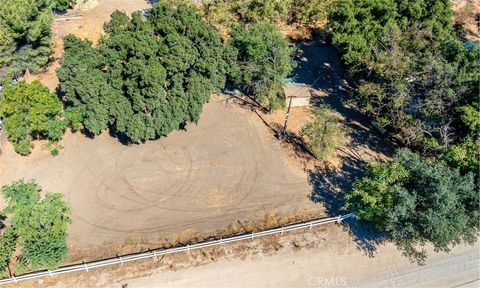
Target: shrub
column 324, row 134
column 37, row 227
column 418, row 201
column 31, row 111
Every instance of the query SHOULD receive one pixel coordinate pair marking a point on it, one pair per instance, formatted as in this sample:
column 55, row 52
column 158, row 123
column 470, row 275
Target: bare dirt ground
column 324, row 261
column 467, row 12
column 326, row 256
column 223, row 170
column 219, row 175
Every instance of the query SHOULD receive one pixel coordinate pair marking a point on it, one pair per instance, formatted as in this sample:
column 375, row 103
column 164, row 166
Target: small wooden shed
column 299, row 93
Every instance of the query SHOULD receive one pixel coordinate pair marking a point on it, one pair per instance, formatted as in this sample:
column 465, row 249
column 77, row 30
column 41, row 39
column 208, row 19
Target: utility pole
column 283, row 133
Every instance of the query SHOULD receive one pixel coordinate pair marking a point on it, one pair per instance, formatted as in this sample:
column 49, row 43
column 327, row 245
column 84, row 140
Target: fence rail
column 160, row 252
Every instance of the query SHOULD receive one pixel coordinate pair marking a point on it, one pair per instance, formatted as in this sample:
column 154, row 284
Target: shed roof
column 297, row 91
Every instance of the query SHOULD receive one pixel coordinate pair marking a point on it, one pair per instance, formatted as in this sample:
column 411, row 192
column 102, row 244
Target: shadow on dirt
column 321, row 69
column 328, row 186
column 243, row 101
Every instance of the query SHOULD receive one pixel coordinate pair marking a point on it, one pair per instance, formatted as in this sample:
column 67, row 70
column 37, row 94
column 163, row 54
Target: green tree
column 62, row 5
column 417, row 79
column 324, row 134
column 25, row 35
column 263, row 62
column 371, row 197
column 74, row 117
column 7, row 46
column 357, row 26
column 433, row 15
column 37, row 226
column 31, row 111
column 85, row 83
column 418, row 202
column 271, row 11
column 147, row 76
column 309, row 11
column 7, row 246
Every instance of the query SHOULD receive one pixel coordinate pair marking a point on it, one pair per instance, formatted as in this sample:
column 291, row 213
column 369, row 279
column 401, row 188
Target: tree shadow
column 121, row 137
column 328, row 186
column 241, row 100
column 321, row 69
column 366, row 237
column 2, row 220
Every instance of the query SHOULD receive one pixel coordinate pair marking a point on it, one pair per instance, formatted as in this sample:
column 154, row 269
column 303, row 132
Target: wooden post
column 284, row 132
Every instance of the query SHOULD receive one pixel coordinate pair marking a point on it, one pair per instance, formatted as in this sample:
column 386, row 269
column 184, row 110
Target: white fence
column 159, row 252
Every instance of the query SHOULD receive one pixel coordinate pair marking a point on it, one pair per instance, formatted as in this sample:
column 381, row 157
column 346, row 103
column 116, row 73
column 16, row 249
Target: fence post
column 221, row 241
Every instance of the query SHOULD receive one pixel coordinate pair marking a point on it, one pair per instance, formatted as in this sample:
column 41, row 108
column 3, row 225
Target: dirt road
column 335, row 263
column 325, row 256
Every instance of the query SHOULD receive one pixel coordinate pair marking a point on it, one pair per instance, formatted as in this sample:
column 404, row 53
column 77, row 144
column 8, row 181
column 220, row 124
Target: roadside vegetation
column 419, row 81
column 35, row 231
column 418, row 201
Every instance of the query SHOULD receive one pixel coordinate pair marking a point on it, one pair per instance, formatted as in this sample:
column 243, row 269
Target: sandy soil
column 326, row 256
column 224, row 170
column 319, row 268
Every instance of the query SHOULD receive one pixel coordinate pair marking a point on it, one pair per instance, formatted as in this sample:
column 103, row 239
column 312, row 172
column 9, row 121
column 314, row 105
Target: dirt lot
column 227, row 173
column 227, row 168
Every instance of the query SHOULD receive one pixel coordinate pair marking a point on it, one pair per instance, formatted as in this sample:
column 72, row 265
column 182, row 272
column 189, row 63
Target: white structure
column 300, row 94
